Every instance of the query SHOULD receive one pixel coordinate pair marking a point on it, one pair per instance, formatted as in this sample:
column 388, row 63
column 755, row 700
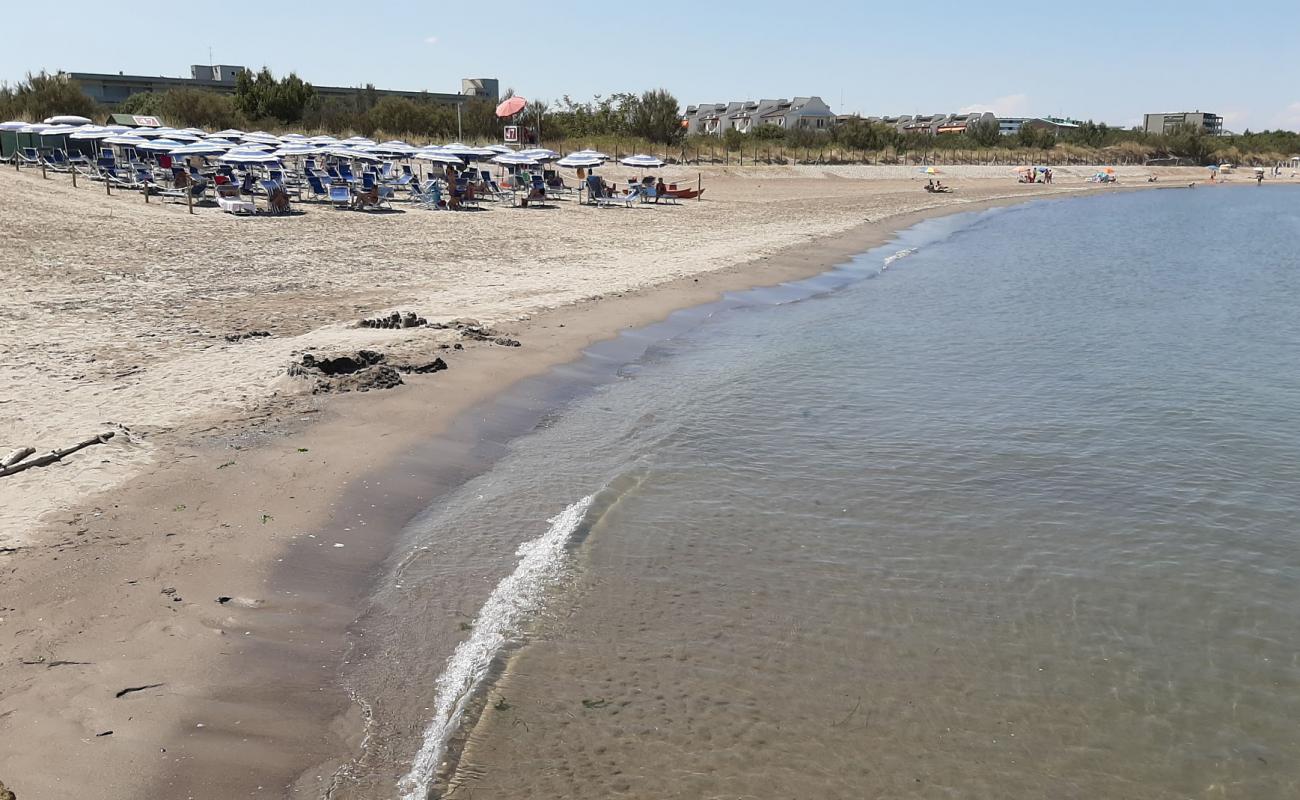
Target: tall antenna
column 209, row 54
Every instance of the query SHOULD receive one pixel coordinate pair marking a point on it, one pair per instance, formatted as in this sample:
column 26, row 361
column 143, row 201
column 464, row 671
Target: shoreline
column 296, row 482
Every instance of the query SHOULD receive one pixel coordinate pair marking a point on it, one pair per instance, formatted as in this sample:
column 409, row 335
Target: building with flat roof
column 1164, row 123
column 110, row 89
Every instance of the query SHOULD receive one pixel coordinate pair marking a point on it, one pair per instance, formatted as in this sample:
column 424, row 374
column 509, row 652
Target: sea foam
column 541, row 561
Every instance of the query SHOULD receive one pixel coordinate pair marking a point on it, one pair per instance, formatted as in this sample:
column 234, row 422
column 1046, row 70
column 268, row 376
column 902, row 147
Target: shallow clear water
column 1014, row 517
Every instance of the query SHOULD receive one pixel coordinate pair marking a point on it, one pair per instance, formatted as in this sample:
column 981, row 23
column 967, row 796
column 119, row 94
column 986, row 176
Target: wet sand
column 235, row 483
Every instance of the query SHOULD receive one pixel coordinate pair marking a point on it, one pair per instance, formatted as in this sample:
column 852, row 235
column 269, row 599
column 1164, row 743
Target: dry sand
column 226, row 471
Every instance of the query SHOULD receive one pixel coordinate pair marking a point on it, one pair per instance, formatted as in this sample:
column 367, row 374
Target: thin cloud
column 431, row 40
column 1012, row 105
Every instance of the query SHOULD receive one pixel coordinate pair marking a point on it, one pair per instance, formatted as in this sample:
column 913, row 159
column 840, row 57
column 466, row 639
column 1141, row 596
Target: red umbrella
column 511, row 106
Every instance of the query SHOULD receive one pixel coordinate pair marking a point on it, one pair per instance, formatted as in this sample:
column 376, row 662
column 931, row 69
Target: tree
column 263, row 97
column 1190, row 141
column 985, row 133
column 44, row 95
column 656, row 115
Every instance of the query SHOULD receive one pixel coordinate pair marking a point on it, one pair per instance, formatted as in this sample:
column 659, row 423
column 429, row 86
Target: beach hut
column 9, row 137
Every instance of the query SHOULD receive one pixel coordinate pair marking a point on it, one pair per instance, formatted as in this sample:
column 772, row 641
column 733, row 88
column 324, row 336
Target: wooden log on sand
column 16, row 456
column 52, row 456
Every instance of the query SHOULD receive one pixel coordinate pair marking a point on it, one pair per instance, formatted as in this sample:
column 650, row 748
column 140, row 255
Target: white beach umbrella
column 293, row 136
column 160, row 145
column 297, row 149
column 392, row 149
column 151, row 133
column 228, row 133
column 261, row 137
column 540, row 153
column 59, row 130
column 438, row 155
column 642, row 161
column 499, row 148
column 209, row 148
column 322, row 140
column 126, row 140
column 67, row 119
column 517, row 159
column 465, row 151
column 579, row 160
column 353, row 153
column 589, row 152
column 355, row 140
column 35, row 127
column 12, row 125
column 242, row 155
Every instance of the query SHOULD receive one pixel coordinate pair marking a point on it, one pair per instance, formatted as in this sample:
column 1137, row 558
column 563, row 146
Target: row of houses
column 715, row 119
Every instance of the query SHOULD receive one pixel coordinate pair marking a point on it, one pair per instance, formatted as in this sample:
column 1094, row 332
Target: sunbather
column 365, row 198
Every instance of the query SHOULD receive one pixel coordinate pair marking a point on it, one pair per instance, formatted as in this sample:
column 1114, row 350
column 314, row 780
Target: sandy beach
column 175, row 600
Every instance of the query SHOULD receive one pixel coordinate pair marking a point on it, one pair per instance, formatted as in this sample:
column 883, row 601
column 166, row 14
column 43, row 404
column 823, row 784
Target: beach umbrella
column 338, row 151
column 297, row 149
column 12, row 125
column 438, row 155
column 643, row 161
column 125, row 140
column 358, row 140
column 35, row 127
column 511, row 106
column 67, row 119
column 541, row 153
column 161, row 145
column 589, row 152
column 59, row 130
column 499, row 148
column 261, row 137
column 294, row 136
column 242, row 155
column 392, row 149
column 576, row 160
column 322, row 140
column 212, row 147
column 929, row 170
column 228, row 133
column 465, row 151
column 515, row 159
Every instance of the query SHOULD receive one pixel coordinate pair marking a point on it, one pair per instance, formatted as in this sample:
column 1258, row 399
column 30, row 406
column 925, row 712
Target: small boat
column 683, row 194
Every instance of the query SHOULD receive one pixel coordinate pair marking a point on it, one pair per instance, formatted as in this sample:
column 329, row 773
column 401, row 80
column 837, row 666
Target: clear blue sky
column 1105, row 60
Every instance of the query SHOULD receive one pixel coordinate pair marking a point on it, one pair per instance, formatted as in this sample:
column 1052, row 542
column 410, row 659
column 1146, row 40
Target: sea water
column 1008, row 508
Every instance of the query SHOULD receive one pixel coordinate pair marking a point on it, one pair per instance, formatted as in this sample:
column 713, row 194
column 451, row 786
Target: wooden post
column 43, row 175
column 108, row 186
column 74, row 177
column 146, row 194
column 699, row 185
column 189, row 197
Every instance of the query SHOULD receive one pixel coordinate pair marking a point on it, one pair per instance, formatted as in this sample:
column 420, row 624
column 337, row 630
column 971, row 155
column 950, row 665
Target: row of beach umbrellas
column 261, row 147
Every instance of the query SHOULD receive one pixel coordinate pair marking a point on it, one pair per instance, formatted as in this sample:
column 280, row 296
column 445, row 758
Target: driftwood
column 16, row 456
column 52, row 456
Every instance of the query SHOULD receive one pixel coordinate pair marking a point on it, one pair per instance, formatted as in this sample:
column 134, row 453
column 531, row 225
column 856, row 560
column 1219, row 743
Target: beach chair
column 428, row 196
column 316, row 188
column 341, row 195
column 57, row 160
column 650, row 194
column 386, row 171
column 27, row 156
column 463, row 193
column 231, row 201
column 197, row 189
column 345, row 172
column 367, row 181
column 626, row 199
column 120, row 179
column 87, row 169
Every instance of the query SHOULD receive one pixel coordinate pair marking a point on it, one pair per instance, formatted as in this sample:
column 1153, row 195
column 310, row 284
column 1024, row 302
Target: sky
column 1102, row 60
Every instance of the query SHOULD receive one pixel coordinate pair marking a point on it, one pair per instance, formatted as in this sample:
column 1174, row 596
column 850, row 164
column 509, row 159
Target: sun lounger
column 316, row 188
column 503, row 195
column 27, row 156
column 57, row 160
column 341, row 196
column 345, row 172
column 626, row 199
column 429, row 196
column 120, row 179
column 232, row 202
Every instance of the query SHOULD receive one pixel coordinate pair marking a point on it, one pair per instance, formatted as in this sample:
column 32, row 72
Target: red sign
column 512, row 134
